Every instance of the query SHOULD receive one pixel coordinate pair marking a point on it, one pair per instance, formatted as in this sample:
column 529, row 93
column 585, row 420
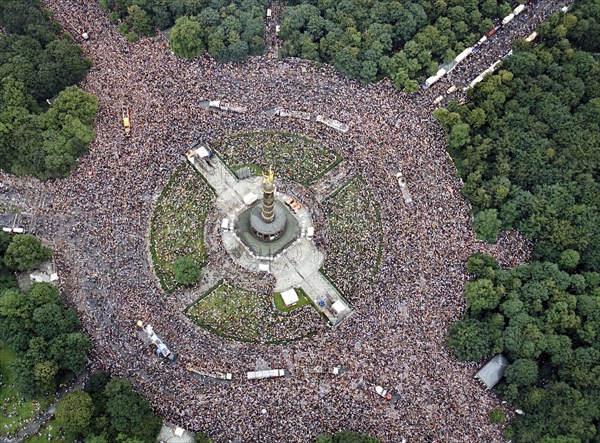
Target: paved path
column 43, row 417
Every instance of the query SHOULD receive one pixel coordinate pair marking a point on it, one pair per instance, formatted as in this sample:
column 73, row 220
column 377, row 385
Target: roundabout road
column 98, row 221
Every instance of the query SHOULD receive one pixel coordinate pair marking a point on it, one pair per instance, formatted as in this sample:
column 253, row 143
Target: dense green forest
column 371, row 39
column 547, row 323
column 527, row 145
column 36, row 325
column 107, row 410
column 364, row 39
column 228, row 30
column 37, row 64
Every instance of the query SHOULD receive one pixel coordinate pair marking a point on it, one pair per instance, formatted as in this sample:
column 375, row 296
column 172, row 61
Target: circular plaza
column 133, row 205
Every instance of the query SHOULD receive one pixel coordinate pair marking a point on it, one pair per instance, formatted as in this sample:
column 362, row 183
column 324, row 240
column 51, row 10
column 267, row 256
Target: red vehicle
column 491, row 32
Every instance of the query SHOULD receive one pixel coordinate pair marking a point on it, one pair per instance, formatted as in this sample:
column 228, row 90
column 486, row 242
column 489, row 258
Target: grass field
column 178, row 223
column 296, row 157
column 250, row 316
column 303, row 300
column 15, row 412
column 356, row 233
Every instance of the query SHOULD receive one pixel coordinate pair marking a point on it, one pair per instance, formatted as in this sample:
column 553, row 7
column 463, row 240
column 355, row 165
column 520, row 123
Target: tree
column 24, row 378
column 522, row 372
column 186, row 38
column 41, row 294
column 26, row 252
column 70, row 351
column 481, row 295
column 129, row 412
column 201, row 437
column 569, row 259
column 71, row 103
column 44, row 374
column 139, row 20
column 487, row 225
column 497, row 416
column 96, row 383
column 468, row 339
column 459, row 136
column 186, row 270
column 482, row 266
column 50, row 320
column 74, row 412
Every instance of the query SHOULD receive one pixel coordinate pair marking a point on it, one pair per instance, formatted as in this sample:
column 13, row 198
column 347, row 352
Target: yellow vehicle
column 126, row 125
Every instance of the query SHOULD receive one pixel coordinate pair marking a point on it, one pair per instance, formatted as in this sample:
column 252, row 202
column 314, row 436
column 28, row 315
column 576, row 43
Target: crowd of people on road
column 497, row 47
column 98, row 220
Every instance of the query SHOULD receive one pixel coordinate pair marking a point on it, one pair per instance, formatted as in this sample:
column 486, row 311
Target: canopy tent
column 493, row 371
column 290, row 298
column 250, row 198
column 202, row 152
column 338, row 306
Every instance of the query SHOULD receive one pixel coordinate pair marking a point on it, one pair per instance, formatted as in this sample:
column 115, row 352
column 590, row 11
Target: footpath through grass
column 15, row 411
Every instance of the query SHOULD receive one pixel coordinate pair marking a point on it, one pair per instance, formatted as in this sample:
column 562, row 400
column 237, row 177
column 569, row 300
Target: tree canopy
column 229, row 30
column 372, row 39
column 547, row 323
column 45, row 336
column 37, row 64
column 25, row 252
column 186, row 270
column 527, row 143
column 528, row 151
column 118, row 413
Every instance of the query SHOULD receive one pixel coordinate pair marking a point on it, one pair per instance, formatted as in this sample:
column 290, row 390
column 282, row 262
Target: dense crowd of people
column 99, row 222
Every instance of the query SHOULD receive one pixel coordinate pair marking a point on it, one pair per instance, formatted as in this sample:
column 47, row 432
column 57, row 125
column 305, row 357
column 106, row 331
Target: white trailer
column 268, row 373
column 507, row 19
column 463, row 55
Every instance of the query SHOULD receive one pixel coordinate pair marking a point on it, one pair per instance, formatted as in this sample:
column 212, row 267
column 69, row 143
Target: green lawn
column 50, row 432
column 303, row 300
column 248, row 316
column 356, row 235
column 178, row 223
column 296, row 157
column 15, row 412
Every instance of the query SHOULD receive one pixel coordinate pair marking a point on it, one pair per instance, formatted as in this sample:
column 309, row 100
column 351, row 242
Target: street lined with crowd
column 98, row 220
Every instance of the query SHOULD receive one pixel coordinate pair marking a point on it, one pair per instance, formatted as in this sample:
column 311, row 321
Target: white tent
column 225, row 224
column 263, row 267
column 250, row 198
column 202, row 152
column 178, row 431
column 338, row 306
column 290, row 298
column 493, row 371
